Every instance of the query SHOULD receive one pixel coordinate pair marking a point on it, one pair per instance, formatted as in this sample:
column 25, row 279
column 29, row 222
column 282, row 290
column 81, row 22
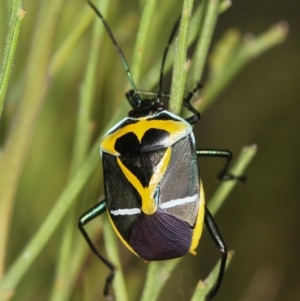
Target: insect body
column 153, row 193
column 152, row 185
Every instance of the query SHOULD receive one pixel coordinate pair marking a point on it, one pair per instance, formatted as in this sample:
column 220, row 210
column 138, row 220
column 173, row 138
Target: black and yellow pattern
column 152, row 186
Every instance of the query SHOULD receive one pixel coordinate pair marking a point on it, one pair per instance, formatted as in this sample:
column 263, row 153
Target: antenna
column 171, row 38
column 119, row 50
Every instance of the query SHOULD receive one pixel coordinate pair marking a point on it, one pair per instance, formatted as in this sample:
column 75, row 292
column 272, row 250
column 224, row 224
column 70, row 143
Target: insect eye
column 159, row 108
column 131, row 113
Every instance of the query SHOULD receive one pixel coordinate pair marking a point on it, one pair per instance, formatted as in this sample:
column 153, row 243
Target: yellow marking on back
column 199, row 223
column 149, row 205
column 177, row 130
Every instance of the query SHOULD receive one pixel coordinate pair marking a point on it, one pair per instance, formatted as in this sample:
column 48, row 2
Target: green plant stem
column 204, row 287
column 180, row 66
column 14, row 24
column 18, row 142
column 79, row 257
column 157, row 274
column 224, row 5
column 38, row 241
column 151, row 78
column 113, row 255
column 245, row 157
column 141, row 41
column 63, row 281
column 84, row 132
column 204, row 41
column 76, row 30
column 210, row 10
column 251, row 48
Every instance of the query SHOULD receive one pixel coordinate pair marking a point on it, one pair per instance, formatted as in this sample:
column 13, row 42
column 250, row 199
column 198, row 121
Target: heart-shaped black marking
column 142, row 158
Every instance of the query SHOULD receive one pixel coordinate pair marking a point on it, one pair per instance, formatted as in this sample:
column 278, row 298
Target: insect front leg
column 83, row 220
column 133, row 99
column 187, row 103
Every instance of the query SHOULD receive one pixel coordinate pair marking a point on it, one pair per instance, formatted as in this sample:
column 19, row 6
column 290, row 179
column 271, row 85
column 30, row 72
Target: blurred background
column 260, row 220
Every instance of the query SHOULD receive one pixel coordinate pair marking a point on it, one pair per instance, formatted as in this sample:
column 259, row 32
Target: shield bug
column 153, row 192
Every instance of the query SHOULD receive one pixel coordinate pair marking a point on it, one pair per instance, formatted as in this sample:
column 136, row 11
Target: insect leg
column 223, row 175
column 116, row 45
column 187, row 103
column 162, row 68
column 221, row 244
column 133, row 99
column 83, row 220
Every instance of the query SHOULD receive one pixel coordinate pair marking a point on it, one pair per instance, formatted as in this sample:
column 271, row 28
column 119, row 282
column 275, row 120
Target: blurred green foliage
column 259, row 220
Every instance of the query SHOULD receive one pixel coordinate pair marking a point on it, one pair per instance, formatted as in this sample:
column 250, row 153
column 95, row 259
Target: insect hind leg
column 221, row 245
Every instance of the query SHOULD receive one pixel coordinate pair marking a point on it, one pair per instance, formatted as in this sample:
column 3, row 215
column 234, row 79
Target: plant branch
column 180, row 66
column 63, row 281
column 55, row 216
column 250, row 49
column 14, row 24
column 19, row 139
column 204, row 287
column 141, row 41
